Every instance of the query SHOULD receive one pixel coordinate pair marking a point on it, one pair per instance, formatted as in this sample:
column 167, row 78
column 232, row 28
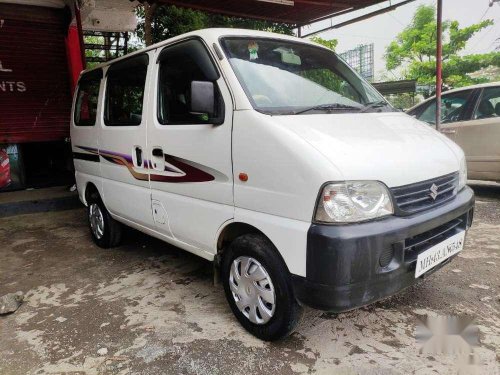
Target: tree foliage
column 169, row 21
column 246, row 23
column 328, row 43
column 414, row 50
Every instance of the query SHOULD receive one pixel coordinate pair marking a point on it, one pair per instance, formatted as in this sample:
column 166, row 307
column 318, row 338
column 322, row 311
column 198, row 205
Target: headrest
column 486, row 108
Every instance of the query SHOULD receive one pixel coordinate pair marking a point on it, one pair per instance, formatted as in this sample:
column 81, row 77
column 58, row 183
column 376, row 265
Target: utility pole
column 439, row 62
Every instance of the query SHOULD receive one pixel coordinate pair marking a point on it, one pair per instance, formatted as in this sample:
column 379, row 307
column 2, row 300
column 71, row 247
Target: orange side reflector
column 243, row 177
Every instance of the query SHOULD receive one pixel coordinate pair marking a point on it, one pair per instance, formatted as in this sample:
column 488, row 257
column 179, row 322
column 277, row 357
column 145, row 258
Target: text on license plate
column 438, row 253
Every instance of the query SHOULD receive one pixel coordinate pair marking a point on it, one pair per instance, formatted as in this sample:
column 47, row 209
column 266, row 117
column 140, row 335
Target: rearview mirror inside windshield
column 289, row 57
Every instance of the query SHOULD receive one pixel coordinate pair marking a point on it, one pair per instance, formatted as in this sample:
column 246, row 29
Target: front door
column 455, row 109
column 191, row 169
column 123, row 141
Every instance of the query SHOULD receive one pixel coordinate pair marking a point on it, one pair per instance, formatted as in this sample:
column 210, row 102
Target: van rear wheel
column 258, row 288
column 105, row 231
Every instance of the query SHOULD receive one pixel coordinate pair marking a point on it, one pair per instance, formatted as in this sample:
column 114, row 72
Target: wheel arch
column 90, row 188
column 234, row 230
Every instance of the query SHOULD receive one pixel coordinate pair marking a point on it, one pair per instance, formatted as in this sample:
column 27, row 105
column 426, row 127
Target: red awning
column 297, row 12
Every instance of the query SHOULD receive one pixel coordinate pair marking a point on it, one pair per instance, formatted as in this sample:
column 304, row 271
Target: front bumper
column 349, row 266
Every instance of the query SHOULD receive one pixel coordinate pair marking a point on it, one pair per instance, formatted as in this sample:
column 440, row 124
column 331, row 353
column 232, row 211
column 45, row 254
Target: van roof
column 211, row 33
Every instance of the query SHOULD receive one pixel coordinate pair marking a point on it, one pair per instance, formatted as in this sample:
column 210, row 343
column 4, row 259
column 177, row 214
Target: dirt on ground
column 149, row 308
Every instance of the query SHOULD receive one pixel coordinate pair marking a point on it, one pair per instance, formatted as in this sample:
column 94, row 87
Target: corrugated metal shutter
column 35, row 99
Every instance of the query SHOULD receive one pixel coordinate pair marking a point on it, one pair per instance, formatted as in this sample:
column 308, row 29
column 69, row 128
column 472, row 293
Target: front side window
column 453, row 108
column 180, row 65
column 282, row 77
column 86, row 98
column 489, row 105
column 126, row 80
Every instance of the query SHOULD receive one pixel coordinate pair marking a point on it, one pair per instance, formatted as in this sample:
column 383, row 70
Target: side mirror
column 203, row 98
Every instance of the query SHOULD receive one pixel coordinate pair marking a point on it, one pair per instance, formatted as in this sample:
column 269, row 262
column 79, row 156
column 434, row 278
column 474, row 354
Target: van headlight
column 353, row 201
column 462, row 178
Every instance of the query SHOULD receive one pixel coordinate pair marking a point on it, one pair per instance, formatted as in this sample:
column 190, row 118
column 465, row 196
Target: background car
column 471, row 117
column 4, row 169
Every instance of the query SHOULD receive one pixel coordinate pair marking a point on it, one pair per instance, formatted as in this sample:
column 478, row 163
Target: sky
column 382, row 29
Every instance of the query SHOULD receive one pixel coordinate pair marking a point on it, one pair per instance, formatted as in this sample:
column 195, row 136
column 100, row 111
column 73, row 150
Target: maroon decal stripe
column 191, row 174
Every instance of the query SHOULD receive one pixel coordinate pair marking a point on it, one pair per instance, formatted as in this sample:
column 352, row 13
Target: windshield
column 282, row 77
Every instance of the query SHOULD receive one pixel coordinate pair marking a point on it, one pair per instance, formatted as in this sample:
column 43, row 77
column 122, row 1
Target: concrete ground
column 150, row 308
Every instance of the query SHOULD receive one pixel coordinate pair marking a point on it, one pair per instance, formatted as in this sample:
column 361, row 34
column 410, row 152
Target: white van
column 269, row 156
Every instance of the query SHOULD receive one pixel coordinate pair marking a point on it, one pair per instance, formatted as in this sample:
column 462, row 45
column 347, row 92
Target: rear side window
column 489, row 105
column 87, row 97
column 181, row 64
column 126, row 80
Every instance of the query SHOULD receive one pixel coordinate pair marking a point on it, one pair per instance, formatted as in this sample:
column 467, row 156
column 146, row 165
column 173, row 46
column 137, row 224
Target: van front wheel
column 106, row 231
column 258, row 288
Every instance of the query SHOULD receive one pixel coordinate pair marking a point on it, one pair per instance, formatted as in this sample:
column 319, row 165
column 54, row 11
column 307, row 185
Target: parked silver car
column 470, row 117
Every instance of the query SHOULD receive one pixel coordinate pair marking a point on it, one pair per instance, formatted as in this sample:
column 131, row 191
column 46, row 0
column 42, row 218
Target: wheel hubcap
column 96, row 220
column 252, row 290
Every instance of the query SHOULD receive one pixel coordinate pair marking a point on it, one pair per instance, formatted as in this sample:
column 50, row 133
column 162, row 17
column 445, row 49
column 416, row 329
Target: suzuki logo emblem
column 434, row 191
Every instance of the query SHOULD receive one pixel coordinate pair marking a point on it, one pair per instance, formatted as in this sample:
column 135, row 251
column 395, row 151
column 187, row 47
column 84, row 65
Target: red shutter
column 35, row 96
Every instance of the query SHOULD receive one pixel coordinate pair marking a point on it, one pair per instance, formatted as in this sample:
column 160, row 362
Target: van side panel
column 285, row 175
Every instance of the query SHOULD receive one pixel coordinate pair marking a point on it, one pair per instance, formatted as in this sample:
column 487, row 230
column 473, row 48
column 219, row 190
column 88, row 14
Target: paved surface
column 149, row 308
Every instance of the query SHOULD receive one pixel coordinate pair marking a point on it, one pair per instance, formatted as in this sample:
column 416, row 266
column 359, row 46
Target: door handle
column 138, row 156
column 158, row 152
column 448, row 131
column 158, row 159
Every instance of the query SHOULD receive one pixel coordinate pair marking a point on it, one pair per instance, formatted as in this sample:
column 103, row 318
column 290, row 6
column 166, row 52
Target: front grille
column 421, row 242
column 418, row 196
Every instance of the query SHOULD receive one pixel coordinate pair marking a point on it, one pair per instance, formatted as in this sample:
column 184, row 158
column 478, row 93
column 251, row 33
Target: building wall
column 108, row 15
column 42, row 3
column 35, row 92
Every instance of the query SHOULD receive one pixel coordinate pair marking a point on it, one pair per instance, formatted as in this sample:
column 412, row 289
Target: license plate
column 439, row 253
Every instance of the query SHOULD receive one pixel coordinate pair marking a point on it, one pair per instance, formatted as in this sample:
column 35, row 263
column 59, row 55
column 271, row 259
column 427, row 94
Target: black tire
column 112, row 229
column 287, row 311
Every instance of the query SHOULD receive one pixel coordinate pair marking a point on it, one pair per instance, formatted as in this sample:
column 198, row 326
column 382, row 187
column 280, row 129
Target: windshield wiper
column 327, row 107
column 376, row 104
